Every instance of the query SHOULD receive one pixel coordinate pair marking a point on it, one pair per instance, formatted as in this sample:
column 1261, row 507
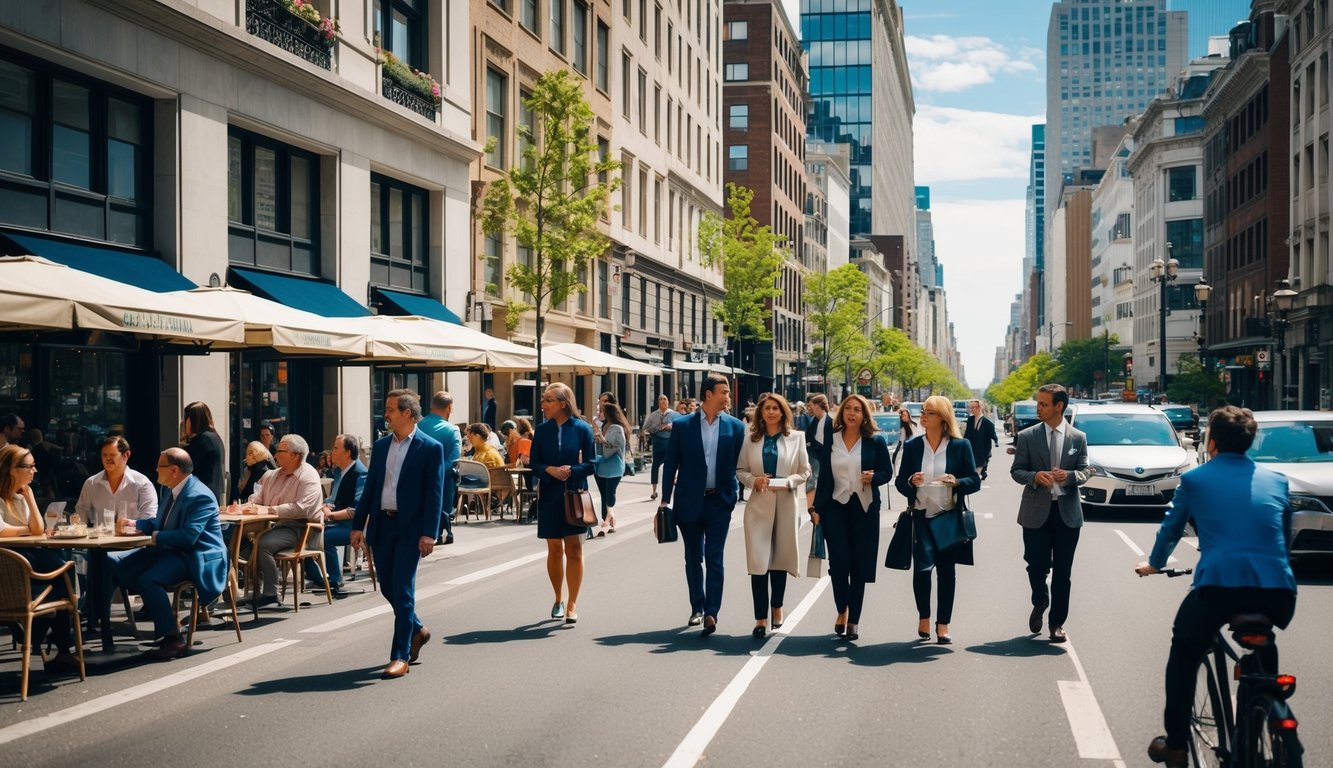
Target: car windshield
column 1178, row 414
column 888, row 424
column 1025, row 411
column 914, row 409
column 1126, row 429
column 1293, row 442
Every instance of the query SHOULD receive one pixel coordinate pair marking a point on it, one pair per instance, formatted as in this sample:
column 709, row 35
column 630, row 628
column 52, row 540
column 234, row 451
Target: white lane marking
column 486, row 573
column 1193, row 541
column 1135, row 547
column 1086, row 721
column 987, row 515
column 134, row 693
column 692, row 748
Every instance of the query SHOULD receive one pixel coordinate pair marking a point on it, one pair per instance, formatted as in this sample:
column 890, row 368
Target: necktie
column 166, row 514
column 1055, row 450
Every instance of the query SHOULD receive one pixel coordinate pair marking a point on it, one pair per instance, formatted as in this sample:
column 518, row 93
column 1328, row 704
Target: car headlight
column 1097, row 471
column 1309, row 504
column 1182, row 469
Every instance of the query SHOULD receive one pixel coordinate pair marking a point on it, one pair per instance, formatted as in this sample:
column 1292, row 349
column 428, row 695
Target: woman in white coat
column 774, row 465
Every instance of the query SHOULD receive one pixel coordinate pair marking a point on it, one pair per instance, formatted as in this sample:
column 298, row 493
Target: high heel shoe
column 776, row 623
column 924, row 634
column 942, row 637
column 853, row 632
column 759, row 632
column 840, row 624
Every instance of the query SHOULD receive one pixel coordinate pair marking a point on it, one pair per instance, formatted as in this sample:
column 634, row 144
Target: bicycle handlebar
column 1174, row 572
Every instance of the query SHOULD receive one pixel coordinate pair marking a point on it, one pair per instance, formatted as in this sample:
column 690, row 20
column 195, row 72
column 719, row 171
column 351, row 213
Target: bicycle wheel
column 1259, row 745
column 1207, row 742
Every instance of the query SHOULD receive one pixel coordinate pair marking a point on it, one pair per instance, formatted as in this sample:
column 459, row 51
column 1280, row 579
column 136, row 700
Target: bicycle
column 1252, row 727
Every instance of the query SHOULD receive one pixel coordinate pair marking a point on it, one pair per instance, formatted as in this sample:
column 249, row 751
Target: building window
column 1180, row 183
column 603, row 291
column 738, row 30
column 643, row 201
column 527, row 120
column 657, row 210
column 738, row 117
column 657, row 113
column 580, row 34
column 738, row 157
column 1186, row 239
column 501, row 4
column 737, row 72
column 625, row 83
column 497, row 93
column 399, row 227
column 643, row 102
column 272, row 204
column 74, row 157
column 530, row 16
column 491, row 266
column 400, row 26
column 558, row 26
column 603, row 57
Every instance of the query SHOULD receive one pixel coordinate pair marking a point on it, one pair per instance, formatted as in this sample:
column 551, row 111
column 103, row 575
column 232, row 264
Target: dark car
column 1022, row 415
column 1182, row 417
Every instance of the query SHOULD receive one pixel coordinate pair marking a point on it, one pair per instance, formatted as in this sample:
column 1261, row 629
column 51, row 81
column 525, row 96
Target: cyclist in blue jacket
column 1243, row 519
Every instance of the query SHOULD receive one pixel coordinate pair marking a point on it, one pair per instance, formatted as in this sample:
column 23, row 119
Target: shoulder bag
column 579, row 511
column 953, row 529
column 899, row 556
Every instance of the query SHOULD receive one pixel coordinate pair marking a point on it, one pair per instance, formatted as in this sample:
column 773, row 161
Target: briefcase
column 664, row 525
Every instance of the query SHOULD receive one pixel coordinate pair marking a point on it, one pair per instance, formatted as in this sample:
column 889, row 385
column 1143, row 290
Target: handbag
column 579, row 511
column 664, row 525
column 814, row 564
column 899, row 556
column 953, row 529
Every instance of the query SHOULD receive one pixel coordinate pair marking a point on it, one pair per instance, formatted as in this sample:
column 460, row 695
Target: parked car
column 1135, row 456
column 887, row 423
column 1022, row 415
column 962, row 410
column 1182, row 417
column 1299, row 444
column 914, row 409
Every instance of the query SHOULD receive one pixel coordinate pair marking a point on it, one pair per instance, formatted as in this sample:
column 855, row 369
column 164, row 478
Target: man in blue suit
column 437, row 425
column 340, row 509
column 1242, row 514
column 402, row 501
column 701, row 467
column 187, row 544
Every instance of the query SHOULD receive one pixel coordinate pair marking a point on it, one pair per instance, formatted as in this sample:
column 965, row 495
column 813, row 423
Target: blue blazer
column 573, row 445
column 958, row 461
column 351, row 486
column 874, row 457
column 685, row 469
column 451, row 440
column 191, row 526
column 1243, row 517
column 420, row 488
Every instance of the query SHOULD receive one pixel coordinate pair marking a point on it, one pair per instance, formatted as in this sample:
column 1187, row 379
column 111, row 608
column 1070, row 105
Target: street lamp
column 1163, row 273
column 1050, row 334
column 1283, row 299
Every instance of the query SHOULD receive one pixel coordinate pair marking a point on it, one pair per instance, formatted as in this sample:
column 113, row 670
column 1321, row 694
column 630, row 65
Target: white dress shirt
column 393, row 465
column 933, row 465
column 136, row 492
column 847, row 472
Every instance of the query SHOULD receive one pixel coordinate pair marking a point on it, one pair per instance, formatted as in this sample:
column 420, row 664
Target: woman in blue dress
column 561, row 459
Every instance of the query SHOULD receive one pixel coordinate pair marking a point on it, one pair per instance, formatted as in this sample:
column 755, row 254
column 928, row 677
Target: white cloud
column 961, row 144
column 981, row 245
column 947, row 64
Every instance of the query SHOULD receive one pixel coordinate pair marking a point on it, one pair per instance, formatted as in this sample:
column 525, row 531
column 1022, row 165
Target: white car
column 1299, row 444
column 1135, row 456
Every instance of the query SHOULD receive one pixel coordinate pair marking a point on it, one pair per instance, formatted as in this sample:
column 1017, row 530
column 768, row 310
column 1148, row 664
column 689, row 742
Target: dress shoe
column 419, row 638
column 924, row 634
column 558, row 610
column 170, row 648
column 1159, row 752
column 63, row 663
column 448, row 538
column 695, row 620
column 653, row 497
column 942, row 637
column 1058, row 635
column 396, row 668
column 776, row 622
column 760, row 631
column 1034, row 618
column 263, row 600
column 710, row 626
column 839, row 629
column 853, row 632
column 571, row 618
column 338, row 592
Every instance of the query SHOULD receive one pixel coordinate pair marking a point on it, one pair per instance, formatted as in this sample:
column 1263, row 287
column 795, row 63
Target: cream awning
column 586, row 360
column 432, row 343
column 36, row 293
column 286, row 329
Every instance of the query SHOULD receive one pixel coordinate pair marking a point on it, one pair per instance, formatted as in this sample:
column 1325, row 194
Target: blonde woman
column 773, row 464
column 258, row 461
column 562, row 458
column 941, row 455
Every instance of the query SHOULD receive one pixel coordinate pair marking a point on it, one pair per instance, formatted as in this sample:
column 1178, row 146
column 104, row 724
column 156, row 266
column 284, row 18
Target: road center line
column 1135, row 547
column 133, row 693
column 692, row 748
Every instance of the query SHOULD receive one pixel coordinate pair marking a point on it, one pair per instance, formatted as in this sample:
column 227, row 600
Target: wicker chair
column 474, row 485
column 18, row 605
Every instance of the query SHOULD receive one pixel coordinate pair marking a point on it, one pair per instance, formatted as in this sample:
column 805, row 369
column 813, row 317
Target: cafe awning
column 39, row 294
column 141, row 271
column 287, row 330
column 586, row 360
column 422, row 341
column 306, row 294
column 414, row 304
column 642, row 355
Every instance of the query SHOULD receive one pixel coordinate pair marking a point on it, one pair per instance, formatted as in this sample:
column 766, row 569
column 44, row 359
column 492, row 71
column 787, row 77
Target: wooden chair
column 289, row 562
column 474, row 482
column 196, row 608
column 18, row 605
column 502, row 489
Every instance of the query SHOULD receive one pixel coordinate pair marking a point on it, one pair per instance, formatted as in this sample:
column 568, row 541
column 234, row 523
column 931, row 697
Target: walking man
column 401, row 503
column 438, row 426
column 701, row 465
column 1050, row 462
column 657, row 428
column 980, row 432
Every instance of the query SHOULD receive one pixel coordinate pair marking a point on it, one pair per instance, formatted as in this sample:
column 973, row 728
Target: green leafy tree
column 551, row 201
column 1040, row 369
column 1195, row 384
column 1082, row 360
column 836, row 303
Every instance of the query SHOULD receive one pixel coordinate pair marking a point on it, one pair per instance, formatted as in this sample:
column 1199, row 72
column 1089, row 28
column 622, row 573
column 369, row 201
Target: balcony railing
column 270, row 20
column 410, row 99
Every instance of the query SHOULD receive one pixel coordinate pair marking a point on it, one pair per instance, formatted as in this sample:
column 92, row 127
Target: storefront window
column 16, row 379
column 384, row 382
column 86, row 402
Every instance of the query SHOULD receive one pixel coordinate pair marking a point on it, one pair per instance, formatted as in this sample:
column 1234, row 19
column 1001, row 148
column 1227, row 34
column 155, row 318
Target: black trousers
column 759, row 590
column 659, row 456
column 945, row 567
column 1202, row 613
column 852, row 537
column 1050, row 550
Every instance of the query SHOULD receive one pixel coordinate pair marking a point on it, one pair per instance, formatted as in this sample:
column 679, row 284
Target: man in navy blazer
column 700, row 468
column 187, row 544
column 402, row 502
column 340, row 509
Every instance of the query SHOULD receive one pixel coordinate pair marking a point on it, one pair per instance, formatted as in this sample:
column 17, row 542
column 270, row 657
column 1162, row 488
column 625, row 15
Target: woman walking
column 853, row 465
column 611, row 463
column 942, row 457
column 562, row 458
column 773, row 464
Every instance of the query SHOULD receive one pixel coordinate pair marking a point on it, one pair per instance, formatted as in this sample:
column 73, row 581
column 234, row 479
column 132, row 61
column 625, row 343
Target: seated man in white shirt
column 117, row 487
column 293, row 493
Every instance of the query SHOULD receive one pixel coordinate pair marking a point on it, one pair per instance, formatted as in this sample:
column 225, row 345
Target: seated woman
column 482, row 451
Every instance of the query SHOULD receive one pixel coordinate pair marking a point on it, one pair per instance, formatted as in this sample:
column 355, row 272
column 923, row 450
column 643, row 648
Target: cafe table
column 521, row 476
column 98, row 610
column 245, row 525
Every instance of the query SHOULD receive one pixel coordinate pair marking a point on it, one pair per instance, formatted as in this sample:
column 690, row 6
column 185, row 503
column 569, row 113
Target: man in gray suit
column 1050, row 462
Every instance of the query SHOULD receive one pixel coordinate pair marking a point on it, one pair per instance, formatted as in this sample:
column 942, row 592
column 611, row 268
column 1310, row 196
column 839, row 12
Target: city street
column 630, row 685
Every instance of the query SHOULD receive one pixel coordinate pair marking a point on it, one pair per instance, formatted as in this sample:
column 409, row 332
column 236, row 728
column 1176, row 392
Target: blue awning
column 137, row 269
column 416, row 304
column 302, row 293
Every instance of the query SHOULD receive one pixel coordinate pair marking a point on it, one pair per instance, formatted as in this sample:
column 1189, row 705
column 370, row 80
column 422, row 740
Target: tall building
column 1113, row 255
column 1209, row 18
column 764, row 86
column 1034, row 261
column 930, row 269
column 827, row 168
column 1106, row 60
column 861, row 95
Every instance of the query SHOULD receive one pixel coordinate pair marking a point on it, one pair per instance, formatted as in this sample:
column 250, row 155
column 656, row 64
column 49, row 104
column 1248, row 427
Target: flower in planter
column 414, row 80
column 306, row 10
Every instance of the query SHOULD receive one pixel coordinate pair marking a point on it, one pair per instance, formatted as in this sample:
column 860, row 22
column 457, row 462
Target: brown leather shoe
column 1058, row 635
column 396, row 668
column 419, row 638
column 170, row 648
column 1159, row 752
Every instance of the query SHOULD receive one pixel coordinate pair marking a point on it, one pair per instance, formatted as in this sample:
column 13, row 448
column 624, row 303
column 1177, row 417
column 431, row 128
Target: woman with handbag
column 611, row 461
column 854, row 463
column 773, row 464
column 942, row 463
column 562, row 460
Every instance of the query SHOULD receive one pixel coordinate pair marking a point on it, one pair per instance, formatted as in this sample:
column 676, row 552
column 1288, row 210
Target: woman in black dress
column 201, row 440
column 561, row 459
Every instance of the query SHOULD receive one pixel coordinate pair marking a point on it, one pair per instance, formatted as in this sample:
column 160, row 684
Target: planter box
column 270, row 20
column 396, row 93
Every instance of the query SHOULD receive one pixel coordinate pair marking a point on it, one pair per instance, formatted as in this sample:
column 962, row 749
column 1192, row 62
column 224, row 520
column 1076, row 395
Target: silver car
column 1299, row 444
column 1135, row 456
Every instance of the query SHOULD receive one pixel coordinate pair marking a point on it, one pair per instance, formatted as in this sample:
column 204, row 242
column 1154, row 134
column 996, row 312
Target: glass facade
column 838, row 36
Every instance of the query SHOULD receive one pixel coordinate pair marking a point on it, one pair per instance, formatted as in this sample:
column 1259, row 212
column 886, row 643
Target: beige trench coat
column 773, row 518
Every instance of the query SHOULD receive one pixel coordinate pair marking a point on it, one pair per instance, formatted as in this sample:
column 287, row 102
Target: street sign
column 863, row 389
column 1261, row 356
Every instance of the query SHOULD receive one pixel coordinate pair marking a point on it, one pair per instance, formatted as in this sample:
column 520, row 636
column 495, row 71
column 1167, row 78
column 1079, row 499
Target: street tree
column 1023, row 382
column 551, row 200
column 1195, row 384
column 836, row 303
column 1081, row 360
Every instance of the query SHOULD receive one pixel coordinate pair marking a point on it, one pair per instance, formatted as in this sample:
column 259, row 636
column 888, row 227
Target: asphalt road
column 630, row 685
